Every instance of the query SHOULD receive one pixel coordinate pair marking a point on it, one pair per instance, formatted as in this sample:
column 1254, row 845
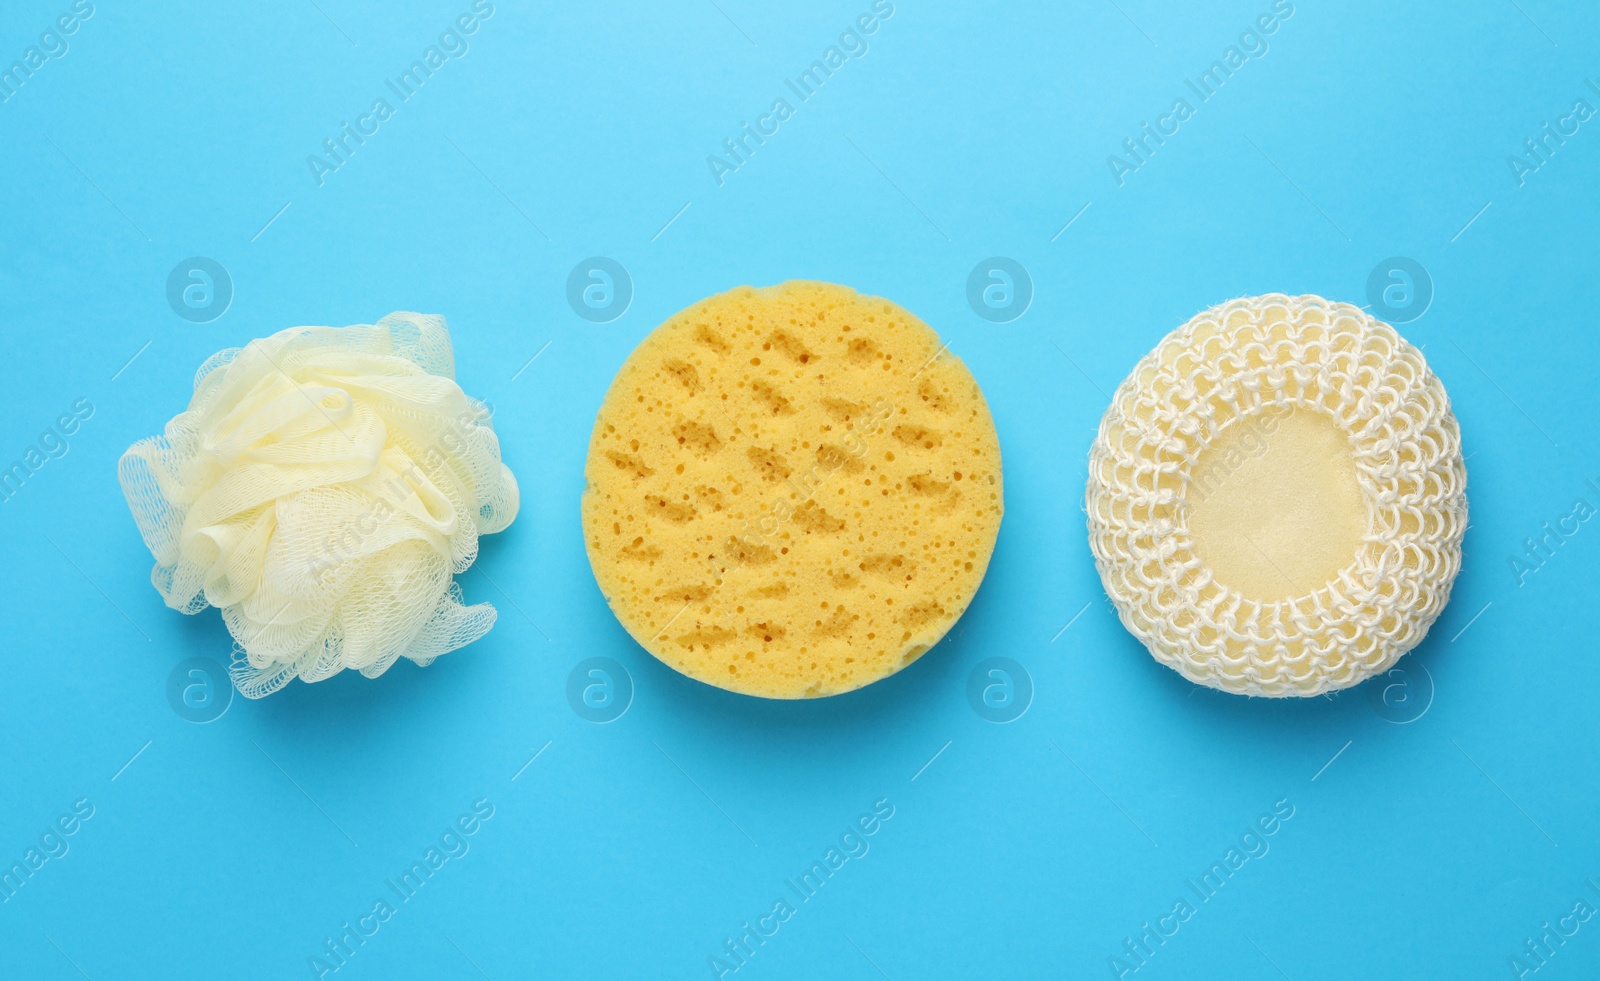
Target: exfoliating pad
column 1276, row 497
column 322, row 488
column 792, row 491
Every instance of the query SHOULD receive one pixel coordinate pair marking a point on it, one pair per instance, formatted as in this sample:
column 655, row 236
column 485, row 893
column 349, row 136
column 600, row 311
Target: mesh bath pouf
column 322, row 488
column 1276, row 497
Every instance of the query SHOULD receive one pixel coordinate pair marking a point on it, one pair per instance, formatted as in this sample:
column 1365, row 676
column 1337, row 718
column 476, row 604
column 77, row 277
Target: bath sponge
column 792, row 491
column 321, row 489
column 1276, row 497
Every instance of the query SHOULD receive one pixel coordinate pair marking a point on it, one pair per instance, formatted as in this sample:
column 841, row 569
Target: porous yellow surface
column 792, row 491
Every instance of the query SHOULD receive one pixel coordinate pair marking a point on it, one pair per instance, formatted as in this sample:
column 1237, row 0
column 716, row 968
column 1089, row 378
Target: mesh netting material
column 322, row 489
column 1230, row 363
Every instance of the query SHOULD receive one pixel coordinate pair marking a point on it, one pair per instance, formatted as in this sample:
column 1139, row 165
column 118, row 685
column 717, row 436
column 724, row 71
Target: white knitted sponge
column 1276, row 497
column 321, row 489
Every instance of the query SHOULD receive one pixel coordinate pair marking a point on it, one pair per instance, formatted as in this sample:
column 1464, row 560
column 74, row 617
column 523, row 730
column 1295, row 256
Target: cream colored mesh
column 322, row 489
column 1230, row 364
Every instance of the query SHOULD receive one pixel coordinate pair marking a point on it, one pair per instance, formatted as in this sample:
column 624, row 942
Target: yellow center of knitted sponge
column 1273, row 505
column 792, row 491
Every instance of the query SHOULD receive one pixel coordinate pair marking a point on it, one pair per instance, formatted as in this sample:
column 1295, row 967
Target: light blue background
column 632, row 850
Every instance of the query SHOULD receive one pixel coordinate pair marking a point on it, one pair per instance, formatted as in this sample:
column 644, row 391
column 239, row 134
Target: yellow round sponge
column 1277, row 498
column 792, row 491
